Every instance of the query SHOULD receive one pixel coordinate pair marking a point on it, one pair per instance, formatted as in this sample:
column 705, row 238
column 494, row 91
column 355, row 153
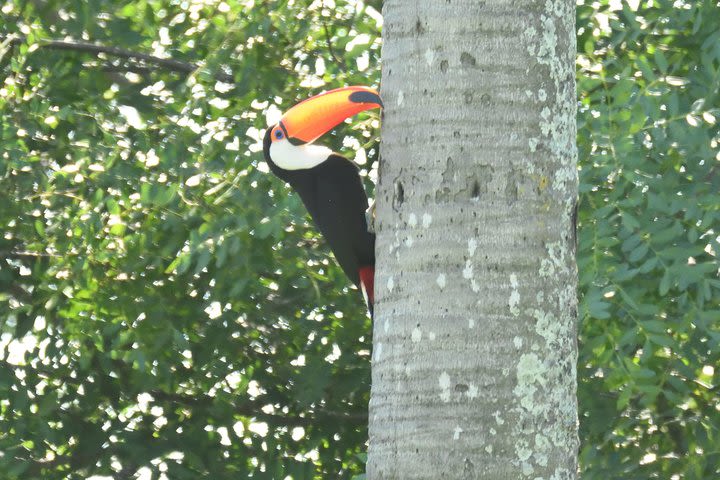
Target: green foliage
column 178, row 313
column 648, row 78
column 165, row 304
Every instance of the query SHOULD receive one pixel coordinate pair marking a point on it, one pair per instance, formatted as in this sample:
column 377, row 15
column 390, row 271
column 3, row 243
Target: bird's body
column 333, row 194
column 328, row 184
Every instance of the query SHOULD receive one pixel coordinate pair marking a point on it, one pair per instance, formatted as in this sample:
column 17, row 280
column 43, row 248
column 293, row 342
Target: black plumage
column 333, row 194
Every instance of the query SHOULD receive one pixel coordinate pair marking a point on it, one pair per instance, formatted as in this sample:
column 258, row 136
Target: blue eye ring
column 278, row 134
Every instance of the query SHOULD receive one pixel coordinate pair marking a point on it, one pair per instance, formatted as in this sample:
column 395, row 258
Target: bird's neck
column 297, row 157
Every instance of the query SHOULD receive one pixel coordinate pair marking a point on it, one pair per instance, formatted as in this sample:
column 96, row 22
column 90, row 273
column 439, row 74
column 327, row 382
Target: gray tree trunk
column 474, row 336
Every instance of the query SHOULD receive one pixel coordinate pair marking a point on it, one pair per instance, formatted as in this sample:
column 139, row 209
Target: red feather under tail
column 367, row 284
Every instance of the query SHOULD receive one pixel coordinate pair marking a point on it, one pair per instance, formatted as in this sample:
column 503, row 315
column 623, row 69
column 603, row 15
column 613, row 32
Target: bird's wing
column 339, row 213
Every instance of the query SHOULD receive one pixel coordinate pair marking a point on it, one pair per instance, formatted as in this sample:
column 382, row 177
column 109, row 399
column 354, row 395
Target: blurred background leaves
column 648, row 80
column 166, row 307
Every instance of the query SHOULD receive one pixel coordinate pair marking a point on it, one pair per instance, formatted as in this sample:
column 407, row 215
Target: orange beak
column 310, row 119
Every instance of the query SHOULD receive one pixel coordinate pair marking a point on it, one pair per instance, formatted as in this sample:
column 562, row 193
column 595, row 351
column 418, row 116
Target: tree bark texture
column 474, row 336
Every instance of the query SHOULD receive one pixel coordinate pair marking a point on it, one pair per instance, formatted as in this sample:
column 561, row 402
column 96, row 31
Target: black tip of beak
column 366, row 97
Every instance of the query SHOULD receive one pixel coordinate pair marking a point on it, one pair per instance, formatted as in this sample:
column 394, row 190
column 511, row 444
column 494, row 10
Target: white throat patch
column 291, row 157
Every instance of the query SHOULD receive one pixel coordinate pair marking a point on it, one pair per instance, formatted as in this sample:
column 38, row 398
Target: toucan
column 328, row 184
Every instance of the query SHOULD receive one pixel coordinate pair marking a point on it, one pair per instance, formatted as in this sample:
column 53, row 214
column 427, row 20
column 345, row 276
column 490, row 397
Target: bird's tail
column 367, row 284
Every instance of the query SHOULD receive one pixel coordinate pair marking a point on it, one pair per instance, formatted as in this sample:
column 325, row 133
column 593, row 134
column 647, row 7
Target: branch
column 253, row 408
column 96, row 49
column 331, row 49
column 16, row 255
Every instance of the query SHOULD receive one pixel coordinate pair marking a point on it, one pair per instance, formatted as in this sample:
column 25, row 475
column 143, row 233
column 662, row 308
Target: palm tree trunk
column 474, row 336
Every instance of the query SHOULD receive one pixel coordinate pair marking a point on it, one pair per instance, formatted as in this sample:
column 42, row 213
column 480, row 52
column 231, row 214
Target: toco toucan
column 328, row 184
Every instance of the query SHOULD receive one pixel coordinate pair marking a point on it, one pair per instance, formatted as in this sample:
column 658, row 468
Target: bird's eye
column 278, row 134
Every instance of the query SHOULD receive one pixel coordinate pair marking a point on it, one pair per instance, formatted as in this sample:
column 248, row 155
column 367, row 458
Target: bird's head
column 288, row 144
